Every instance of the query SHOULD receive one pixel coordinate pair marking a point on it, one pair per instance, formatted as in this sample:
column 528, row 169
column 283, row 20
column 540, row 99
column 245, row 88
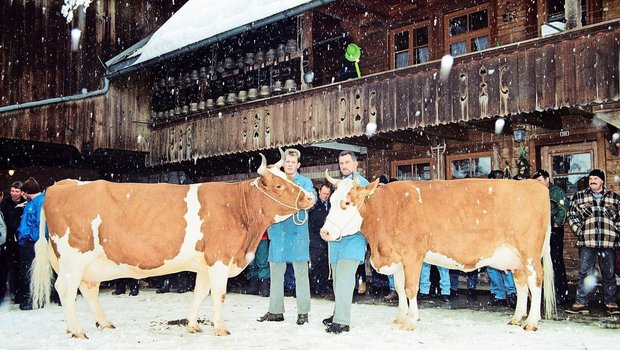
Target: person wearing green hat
column 350, row 66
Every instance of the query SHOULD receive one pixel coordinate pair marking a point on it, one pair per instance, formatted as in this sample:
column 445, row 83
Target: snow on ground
column 143, row 323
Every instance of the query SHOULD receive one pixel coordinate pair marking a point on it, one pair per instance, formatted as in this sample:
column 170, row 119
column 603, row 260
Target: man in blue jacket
column 290, row 242
column 345, row 255
column 28, row 234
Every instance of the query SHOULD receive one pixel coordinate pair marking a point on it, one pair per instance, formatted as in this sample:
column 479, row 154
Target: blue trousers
column 472, row 279
column 606, row 261
column 502, row 283
column 425, row 279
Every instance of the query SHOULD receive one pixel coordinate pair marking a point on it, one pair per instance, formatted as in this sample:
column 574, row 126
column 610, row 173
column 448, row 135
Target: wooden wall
column 551, row 73
column 37, row 61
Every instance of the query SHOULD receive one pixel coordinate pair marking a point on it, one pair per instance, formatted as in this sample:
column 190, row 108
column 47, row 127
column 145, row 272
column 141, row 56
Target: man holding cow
column 290, row 242
column 345, row 255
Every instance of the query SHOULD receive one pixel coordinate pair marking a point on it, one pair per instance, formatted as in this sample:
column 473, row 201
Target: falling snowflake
column 72, row 5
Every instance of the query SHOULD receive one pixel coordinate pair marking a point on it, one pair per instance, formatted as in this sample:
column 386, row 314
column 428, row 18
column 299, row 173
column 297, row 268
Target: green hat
column 353, row 53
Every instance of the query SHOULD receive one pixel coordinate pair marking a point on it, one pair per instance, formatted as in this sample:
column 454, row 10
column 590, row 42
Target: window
column 569, row 165
column 419, row 169
column 409, row 45
column 468, row 30
column 555, row 11
column 469, row 165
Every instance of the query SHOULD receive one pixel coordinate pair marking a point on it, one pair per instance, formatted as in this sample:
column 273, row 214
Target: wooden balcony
column 577, row 68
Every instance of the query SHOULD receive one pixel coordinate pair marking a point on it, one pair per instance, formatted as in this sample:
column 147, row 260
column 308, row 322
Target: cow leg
column 399, row 285
column 522, row 295
column 218, row 274
column 67, row 285
column 534, row 282
column 201, row 290
column 91, row 295
column 411, row 271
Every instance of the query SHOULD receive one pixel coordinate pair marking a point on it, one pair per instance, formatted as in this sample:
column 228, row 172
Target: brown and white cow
column 101, row 231
column 458, row 224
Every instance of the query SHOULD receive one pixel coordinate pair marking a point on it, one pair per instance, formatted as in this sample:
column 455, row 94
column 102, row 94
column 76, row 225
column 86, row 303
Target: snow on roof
column 201, row 19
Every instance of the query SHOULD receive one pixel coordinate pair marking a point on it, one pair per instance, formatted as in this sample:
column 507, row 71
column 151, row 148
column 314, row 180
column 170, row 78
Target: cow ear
column 372, row 187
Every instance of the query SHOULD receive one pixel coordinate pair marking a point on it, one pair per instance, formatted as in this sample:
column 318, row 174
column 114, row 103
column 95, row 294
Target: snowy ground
column 144, row 322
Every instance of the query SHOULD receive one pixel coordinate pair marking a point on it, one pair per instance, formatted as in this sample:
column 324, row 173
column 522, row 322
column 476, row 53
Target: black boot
column 165, row 287
column 264, row 288
column 134, row 290
column 337, row 328
column 253, row 287
column 120, row 289
column 271, row 317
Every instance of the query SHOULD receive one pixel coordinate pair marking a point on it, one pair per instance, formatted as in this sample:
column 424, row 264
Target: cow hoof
column 104, row 326
column 221, row 332
column 399, row 320
column 407, row 327
column 79, row 335
column 194, row 329
column 514, row 322
column 530, row 327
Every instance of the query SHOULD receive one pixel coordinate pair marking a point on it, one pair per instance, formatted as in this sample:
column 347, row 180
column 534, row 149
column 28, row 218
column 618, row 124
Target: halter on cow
column 458, row 224
column 101, row 231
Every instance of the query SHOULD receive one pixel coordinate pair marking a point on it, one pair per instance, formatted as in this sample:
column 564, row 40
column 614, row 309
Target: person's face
column 291, row 164
column 15, row 194
column 26, row 196
column 324, row 193
column 596, row 183
column 542, row 180
column 347, row 165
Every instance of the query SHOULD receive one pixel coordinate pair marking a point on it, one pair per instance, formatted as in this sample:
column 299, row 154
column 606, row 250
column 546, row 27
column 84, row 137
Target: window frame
column 470, row 156
column 549, row 151
column 468, row 36
column 410, row 28
column 412, row 162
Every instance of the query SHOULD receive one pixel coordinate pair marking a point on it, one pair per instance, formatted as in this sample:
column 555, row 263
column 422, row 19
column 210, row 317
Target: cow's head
column 284, row 196
column 344, row 217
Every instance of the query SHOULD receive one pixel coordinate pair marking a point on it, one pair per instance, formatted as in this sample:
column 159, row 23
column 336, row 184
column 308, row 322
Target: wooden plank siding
column 577, row 68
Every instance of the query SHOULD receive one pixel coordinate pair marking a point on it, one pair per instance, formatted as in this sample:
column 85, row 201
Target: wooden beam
column 486, row 125
column 548, row 120
column 448, row 131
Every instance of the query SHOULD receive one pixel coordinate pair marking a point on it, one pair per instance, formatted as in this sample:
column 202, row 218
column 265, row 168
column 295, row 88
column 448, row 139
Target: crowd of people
column 335, row 268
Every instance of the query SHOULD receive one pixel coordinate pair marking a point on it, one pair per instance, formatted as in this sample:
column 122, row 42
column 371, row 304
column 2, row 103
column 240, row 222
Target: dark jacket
column 559, row 205
column 316, row 218
column 12, row 217
column 347, row 71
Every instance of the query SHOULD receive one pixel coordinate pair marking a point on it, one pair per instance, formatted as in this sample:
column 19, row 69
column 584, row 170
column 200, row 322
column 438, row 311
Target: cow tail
column 40, row 271
column 548, row 280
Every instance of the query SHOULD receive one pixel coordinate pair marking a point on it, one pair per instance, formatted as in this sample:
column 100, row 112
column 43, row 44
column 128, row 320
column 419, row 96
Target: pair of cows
column 100, row 231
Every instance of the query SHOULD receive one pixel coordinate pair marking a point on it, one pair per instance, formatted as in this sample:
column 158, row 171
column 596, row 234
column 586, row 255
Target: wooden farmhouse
column 192, row 91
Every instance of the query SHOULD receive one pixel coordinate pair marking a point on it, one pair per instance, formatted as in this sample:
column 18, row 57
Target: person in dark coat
column 9, row 254
column 319, row 262
column 350, row 68
column 559, row 211
column 28, row 234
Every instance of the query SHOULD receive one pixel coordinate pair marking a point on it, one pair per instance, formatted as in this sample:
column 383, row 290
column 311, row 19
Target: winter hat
column 31, row 186
column 353, row 53
column 539, row 173
column 599, row 173
column 383, row 179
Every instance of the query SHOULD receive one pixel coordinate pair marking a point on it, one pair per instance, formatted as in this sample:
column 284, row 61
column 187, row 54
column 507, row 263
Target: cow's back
column 135, row 224
column 458, row 217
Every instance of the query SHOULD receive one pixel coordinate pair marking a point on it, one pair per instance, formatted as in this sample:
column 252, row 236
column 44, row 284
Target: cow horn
column 356, row 182
column 263, row 165
column 280, row 163
column 331, row 180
